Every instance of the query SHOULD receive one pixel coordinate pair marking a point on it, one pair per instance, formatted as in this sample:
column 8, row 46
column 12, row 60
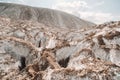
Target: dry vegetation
column 58, row 53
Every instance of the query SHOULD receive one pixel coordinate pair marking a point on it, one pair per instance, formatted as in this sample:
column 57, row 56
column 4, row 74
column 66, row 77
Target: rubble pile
column 33, row 51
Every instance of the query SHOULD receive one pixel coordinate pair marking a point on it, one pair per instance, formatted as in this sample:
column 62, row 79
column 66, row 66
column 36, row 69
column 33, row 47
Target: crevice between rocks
column 64, row 62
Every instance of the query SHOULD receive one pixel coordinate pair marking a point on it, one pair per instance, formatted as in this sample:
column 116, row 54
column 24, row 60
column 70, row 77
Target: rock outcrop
column 58, row 53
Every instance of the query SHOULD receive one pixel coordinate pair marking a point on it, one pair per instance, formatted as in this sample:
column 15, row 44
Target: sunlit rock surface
column 59, row 53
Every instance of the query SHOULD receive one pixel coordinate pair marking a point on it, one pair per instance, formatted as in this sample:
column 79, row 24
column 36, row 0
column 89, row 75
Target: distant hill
column 46, row 16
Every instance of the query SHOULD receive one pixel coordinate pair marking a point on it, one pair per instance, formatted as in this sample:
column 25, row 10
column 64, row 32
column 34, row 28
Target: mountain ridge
column 46, row 16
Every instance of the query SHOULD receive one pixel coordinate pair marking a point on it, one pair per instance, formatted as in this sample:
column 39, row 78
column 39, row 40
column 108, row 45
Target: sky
column 96, row 11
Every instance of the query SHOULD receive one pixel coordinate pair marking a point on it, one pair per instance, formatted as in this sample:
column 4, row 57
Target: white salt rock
column 52, row 43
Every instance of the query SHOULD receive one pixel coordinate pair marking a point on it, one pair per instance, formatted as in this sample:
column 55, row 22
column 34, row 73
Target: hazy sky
column 97, row 11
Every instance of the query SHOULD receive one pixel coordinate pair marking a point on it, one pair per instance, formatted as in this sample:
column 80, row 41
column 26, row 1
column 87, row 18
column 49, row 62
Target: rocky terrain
column 32, row 50
column 58, row 53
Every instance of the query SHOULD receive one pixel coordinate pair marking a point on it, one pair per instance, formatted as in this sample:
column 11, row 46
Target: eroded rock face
column 49, row 53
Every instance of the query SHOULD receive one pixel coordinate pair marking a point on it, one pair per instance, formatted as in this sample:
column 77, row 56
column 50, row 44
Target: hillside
column 45, row 16
column 34, row 46
column 45, row 53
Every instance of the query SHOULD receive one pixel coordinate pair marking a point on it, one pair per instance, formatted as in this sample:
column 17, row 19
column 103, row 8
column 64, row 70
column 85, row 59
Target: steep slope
column 46, row 16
